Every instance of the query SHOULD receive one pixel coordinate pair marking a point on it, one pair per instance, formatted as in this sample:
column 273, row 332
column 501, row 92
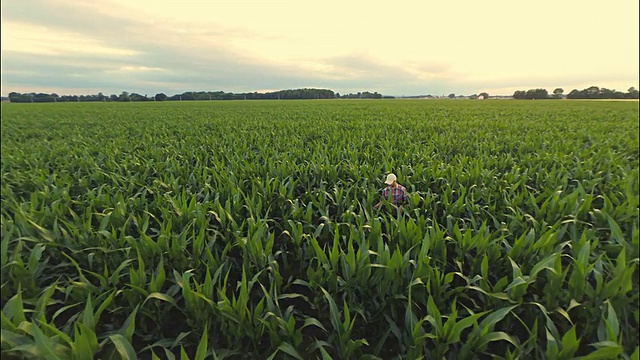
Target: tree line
column 125, row 96
column 592, row 92
column 361, row 95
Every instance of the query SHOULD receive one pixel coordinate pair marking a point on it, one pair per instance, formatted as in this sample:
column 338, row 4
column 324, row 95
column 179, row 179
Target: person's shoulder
column 402, row 187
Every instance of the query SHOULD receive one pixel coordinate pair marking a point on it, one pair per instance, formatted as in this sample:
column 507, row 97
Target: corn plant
column 244, row 230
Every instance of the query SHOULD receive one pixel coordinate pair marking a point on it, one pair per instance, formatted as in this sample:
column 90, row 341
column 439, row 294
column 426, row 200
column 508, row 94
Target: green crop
column 213, row 230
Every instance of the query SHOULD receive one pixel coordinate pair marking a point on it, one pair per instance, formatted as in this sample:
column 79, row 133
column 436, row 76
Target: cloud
column 147, row 47
column 143, row 53
column 136, row 69
column 37, row 40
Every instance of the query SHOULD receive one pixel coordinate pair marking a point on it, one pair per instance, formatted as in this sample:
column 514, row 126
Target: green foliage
column 246, row 229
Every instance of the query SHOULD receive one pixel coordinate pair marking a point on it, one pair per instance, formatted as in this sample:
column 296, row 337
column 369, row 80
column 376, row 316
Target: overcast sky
column 392, row 47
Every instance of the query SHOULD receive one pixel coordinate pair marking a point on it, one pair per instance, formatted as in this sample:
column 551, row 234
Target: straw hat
column 391, row 178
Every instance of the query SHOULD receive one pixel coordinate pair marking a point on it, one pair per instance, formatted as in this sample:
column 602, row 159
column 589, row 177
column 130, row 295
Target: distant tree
column 41, row 97
column 358, row 95
column 113, row 97
column 536, row 94
column 519, row 94
column 531, row 94
column 161, row 97
column 574, row 94
column 124, row 96
column 452, row 96
column 137, row 97
column 606, row 93
column 484, row 95
column 201, row 95
column 187, row 96
column 18, row 97
column 557, row 93
column 618, row 94
column 592, row 92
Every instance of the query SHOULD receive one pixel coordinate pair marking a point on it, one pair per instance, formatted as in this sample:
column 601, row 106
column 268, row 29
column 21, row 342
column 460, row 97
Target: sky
column 77, row 47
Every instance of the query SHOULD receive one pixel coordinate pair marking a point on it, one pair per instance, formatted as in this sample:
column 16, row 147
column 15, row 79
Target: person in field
column 394, row 192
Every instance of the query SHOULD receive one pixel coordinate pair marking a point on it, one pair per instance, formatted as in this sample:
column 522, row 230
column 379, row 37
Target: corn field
column 247, row 230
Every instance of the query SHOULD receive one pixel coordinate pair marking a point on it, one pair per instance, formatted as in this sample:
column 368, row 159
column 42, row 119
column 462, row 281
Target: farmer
column 398, row 193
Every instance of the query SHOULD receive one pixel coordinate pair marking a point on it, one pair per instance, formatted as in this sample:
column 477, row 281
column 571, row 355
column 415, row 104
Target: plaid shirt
column 398, row 194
